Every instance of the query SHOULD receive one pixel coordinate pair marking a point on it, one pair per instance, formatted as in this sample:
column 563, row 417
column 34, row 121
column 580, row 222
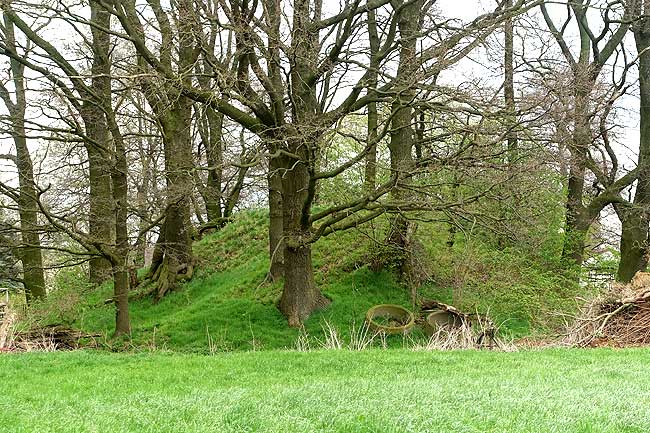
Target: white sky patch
column 476, row 68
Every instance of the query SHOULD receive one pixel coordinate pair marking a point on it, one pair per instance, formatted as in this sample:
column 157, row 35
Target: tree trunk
column 509, row 86
column 120, row 260
column 175, row 232
column 370, row 175
column 276, row 247
column 98, row 146
column 274, row 177
column 575, row 233
column 575, row 240
column 101, row 220
column 633, row 245
column 102, row 84
column 143, row 190
column 214, row 156
column 300, row 296
column 174, row 245
column 100, row 214
column 634, row 235
column 30, row 253
column 402, row 142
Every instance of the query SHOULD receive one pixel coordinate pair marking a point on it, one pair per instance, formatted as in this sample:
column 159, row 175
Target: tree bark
column 120, row 260
column 276, row 247
column 575, row 234
column 146, row 149
column 370, row 175
column 402, row 141
column 176, row 242
column 214, row 156
column 101, row 217
column 636, row 217
column 30, row 254
column 274, row 175
column 301, row 296
column 118, row 256
column 509, row 85
column 585, row 68
column 173, row 257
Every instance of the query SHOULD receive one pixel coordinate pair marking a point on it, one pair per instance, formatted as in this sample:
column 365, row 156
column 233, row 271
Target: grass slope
column 327, row 391
column 226, row 306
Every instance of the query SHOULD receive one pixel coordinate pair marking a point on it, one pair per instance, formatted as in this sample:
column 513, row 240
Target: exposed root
column 163, row 279
column 297, row 312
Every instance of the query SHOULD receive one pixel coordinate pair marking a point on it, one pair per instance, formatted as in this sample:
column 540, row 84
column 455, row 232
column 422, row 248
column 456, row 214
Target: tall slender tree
column 594, row 51
column 30, row 252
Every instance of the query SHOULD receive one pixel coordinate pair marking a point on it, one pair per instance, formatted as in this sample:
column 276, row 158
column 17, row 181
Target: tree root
column 162, row 280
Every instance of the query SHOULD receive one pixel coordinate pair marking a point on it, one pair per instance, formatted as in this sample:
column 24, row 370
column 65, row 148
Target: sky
column 467, row 70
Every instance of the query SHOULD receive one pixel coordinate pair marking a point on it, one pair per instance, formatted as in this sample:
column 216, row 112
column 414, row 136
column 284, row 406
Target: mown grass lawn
column 328, row 391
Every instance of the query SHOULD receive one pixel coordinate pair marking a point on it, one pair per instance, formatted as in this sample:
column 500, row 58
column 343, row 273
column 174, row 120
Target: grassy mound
column 229, row 306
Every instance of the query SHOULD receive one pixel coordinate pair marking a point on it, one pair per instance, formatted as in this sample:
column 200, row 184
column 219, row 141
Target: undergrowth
column 229, row 305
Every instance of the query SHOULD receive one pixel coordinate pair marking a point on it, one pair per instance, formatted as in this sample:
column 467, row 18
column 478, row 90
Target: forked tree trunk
column 585, row 68
column 300, row 295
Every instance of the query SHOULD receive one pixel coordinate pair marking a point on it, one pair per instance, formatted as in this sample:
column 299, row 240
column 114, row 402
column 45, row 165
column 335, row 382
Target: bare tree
column 594, row 51
column 106, row 154
column 635, row 216
column 26, row 198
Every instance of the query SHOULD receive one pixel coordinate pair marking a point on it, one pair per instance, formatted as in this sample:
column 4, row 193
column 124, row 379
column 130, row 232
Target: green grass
column 328, row 391
column 228, row 305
